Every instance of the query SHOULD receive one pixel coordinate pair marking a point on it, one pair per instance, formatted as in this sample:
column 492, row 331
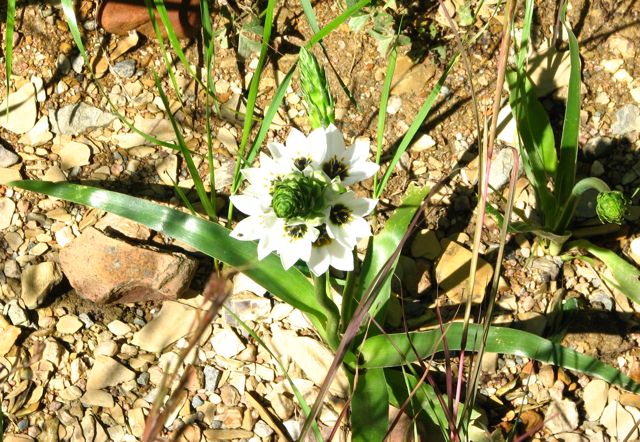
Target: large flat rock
column 105, row 270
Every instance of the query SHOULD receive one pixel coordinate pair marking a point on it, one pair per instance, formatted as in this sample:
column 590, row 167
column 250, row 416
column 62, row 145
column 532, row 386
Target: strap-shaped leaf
column 378, row 351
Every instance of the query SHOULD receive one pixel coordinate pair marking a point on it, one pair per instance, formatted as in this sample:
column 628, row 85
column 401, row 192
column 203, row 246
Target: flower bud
column 297, row 196
column 611, row 206
column 315, row 91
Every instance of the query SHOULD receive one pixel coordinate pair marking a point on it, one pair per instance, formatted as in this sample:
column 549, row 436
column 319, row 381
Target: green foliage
column 380, row 25
column 315, row 91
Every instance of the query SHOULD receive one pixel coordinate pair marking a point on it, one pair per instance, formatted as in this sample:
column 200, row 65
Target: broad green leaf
column 382, row 246
column 627, row 276
column 571, row 125
column 378, row 351
column 424, row 405
column 533, row 125
column 370, row 407
column 210, row 238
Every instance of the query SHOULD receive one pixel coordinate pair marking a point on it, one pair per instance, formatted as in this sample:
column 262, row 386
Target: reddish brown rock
column 121, row 16
column 106, row 270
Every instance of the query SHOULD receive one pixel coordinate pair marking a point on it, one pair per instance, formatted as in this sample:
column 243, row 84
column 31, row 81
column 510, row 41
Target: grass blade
column 382, row 110
column 333, row 24
column 378, row 352
column 8, row 42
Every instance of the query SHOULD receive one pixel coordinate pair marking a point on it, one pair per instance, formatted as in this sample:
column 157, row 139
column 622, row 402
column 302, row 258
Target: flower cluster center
column 340, row 214
column 297, row 196
column 335, row 168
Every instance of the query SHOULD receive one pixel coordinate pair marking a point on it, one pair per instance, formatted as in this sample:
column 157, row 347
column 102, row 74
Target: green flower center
column 335, row 168
column 340, row 214
column 612, row 206
column 297, row 196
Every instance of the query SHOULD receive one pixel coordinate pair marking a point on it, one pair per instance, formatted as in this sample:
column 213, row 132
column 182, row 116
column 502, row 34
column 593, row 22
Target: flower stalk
column 315, row 91
column 330, row 309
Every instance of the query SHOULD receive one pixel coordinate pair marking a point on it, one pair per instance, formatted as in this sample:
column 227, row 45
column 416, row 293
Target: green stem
column 330, row 309
column 347, row 300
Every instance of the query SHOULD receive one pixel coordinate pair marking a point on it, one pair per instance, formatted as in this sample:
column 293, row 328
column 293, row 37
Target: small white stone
column 394, row 104
column 22, row 110
column 7, row 208
column 74, row 154
column 118, row 328
column 226, row 343
column 68, row 324
column 38, row 84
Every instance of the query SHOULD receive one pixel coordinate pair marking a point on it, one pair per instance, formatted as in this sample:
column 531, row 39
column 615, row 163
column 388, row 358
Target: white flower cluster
column 298, row 203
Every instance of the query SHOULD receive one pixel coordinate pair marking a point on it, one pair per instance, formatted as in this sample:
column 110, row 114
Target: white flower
column 261, row 179
column 291, row 242
column 326, row 252
column 349, row 165
column 258, row 225
column 302, row 151
column 344, row 217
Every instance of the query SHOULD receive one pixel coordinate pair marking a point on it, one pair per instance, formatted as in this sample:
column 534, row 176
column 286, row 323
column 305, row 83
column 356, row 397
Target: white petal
column 359, row 151
column 362, row 206
column 341, row 257
column 247, row 204
column 360, row 171
column 277, row 150
column 296, row 143
column 265, row 247
column 288, row 256
column 358, row 227
column 319, row 260
column 249, row 229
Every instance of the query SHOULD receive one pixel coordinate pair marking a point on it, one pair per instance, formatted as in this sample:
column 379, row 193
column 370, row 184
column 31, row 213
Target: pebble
column 167, row 169
column 74, row 154
column 86, row 320
column 594, row 396
column 12, row 269
column 561, row 416
column 619, row 422
column 125, row 68
column 22, row 110
column 107, row 372
column 627, row 120
column 394, row 104
column 425, row 244
column 7, row 158
column 262, row 429
column 172, row 323
column 143, row 378
column 7, row 208
column 38, row 135
column 16, row 314
column 247, row 307
column 228, row 139
column 226, row 343
column 452, row 269
column 501, row 166
column 156, row 127
column 37, row 282
column 106, row 348
column 75, row 119
column 38, row 249
column 423, row 143
column 118, row 328
column 211, row 378
column 68, row 324
column 196, row 402
column 63, row 65
column 77, row 64
column 7, row 175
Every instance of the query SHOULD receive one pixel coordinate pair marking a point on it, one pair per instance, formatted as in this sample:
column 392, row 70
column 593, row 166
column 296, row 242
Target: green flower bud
column 612, row 206
column 315, row 91
column 297, row 197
